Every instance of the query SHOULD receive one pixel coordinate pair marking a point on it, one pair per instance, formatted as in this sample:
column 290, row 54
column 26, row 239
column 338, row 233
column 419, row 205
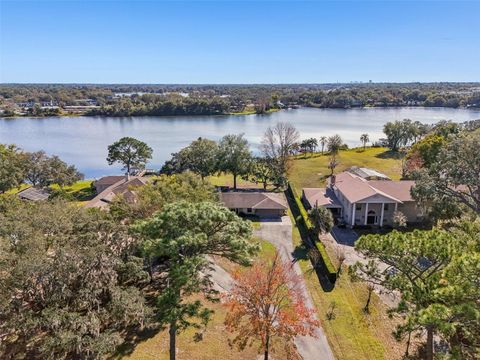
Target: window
column 249, row 210
column 385, row 207
column 358, row 207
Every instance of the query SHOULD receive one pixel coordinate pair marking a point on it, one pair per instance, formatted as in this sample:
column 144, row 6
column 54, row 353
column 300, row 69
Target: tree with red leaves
column 266, row 302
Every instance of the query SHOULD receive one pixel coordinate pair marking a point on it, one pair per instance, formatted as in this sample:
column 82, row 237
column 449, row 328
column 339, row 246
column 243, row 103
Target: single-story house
column 106, row 181
column 261, row 204
column 34, row 194
column 358, row 201
column 124, row 186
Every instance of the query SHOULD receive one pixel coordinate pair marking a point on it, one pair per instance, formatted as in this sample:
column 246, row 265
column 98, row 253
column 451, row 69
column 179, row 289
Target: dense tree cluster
column 69, row 286
column 140, row 100
column 35, row 168
column 445, row 165
column 437, row 274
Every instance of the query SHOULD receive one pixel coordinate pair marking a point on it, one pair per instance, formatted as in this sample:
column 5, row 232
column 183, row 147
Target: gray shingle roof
column 33, row 194
column 254, row 200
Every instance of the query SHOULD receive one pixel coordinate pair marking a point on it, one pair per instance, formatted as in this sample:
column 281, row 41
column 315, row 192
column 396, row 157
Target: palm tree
column 364, row 138
column 334, row 143
column 323, row 141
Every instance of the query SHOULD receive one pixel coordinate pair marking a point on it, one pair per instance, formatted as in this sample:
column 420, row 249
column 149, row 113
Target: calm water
column 83, row 141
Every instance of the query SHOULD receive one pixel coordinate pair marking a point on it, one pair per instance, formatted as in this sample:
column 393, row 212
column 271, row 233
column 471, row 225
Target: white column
column 381, row 215
column 366, row 213
column 353, row 214
column 396, row 205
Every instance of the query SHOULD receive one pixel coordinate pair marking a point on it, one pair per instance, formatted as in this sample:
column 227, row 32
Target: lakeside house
column 255, row 203
column 34, row 194
column 358, row 201
column 109, row 187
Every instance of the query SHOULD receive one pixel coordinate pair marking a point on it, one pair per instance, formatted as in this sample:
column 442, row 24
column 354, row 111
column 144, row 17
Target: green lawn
column 352, row 334
column 224, row 179
column 311, row 171
column 79, row 192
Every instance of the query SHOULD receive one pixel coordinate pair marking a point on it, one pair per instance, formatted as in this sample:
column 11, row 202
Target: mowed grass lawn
column 226, row 179
column 311, row 171
column 352, row 334
column 215, row 339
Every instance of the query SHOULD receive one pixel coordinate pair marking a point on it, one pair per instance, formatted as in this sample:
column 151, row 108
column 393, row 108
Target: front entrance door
column 372, row 218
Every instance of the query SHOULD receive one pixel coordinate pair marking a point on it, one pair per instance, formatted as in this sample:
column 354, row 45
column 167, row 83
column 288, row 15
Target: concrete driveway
column 344, row 236
column 280, row 234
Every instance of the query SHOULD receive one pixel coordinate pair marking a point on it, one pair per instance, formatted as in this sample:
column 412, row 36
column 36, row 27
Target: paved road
column 280, row 235
column 342, row 242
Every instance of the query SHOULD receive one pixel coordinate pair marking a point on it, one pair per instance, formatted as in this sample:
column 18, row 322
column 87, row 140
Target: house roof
column 33, row 194
column 321, row 197
column 120, row 188
column 254, row 200
column 109, row 180
column 356, row 188
column 398, row 189
column 367, row 173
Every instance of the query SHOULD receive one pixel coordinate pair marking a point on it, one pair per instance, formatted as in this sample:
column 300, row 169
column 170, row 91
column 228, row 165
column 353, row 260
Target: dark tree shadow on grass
column 306, row 251
column 390, row 154
column 133, row 338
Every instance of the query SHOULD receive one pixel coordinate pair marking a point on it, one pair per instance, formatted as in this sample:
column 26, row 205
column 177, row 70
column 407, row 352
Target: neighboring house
column 359, row 201
column 33, row 194
column 108, row 190
column 105, row 182
column 367, row 174
column 261, row 204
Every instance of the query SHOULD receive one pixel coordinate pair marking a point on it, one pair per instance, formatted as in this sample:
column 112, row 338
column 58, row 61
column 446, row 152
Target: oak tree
column 267, row 303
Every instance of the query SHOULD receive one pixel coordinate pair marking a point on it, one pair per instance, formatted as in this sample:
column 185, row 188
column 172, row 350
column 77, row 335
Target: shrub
column 331, row 271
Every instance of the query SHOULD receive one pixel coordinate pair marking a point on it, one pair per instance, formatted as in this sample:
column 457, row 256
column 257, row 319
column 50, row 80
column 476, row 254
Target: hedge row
column 330, row 268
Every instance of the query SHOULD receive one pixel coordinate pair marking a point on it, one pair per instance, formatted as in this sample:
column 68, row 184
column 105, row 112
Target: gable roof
column 254, row 200
column 321, row 197
column 354, row 188
column 120, row 188
column 33, row 194
column 398, row 189
column 109, row 180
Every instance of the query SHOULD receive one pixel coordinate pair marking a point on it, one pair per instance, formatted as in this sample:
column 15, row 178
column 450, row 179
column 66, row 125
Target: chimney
column 127, row 176
column 332, row 181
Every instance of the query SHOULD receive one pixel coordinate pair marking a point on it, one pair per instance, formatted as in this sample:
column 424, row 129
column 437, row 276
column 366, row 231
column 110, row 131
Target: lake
column 83, row 141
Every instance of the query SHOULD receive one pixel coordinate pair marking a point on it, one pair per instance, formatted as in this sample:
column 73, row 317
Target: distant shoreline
column 245, row 113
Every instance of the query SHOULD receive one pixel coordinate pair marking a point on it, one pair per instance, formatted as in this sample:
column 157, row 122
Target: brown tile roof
column 398, row 189
column 121, row 187
column 356, row 189
column 109, row 180
column 321, row 197
column 254, row 200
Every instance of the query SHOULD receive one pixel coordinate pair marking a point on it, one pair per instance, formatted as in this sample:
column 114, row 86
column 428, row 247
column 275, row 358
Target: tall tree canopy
column 334, row 143
column 278, row 143
column 267, row 303
column 364, row 138
column 424, row 267
column 453, row 179
column 234, row 156
column 153, row 196
column 43, row 170
column 200, row 157
column 183, row 235
column 12, row 167
column 66, row 284
column 130, row 152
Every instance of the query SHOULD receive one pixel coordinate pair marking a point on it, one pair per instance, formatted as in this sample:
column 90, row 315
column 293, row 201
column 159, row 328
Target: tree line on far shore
column 161, row 100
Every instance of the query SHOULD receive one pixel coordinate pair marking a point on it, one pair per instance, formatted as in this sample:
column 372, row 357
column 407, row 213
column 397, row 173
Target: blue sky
column 238, row 42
